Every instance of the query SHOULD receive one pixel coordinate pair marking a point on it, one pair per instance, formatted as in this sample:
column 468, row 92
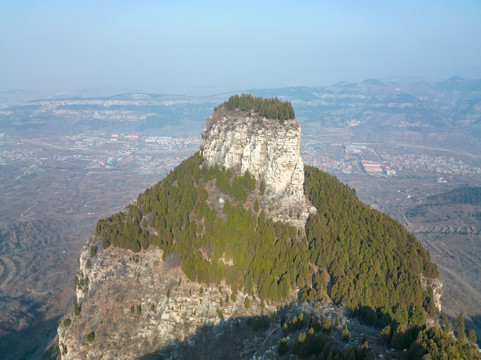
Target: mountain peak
column 269, row 150
column 200, row 250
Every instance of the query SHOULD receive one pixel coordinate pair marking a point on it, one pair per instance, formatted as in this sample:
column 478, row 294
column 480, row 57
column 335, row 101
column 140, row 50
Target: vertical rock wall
column 269, row 150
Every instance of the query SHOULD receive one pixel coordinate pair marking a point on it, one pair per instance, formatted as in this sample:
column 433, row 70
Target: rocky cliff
column 132, row 305
column 269, row 150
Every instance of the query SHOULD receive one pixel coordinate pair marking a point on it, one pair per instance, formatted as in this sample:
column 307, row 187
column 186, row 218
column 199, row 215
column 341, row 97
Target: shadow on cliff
column 31, row 341
column 244, row 337
column 475, row 324
column 230, row 339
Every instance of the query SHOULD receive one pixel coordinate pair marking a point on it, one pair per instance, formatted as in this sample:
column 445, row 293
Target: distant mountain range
column 421, row 104
column 368, row 107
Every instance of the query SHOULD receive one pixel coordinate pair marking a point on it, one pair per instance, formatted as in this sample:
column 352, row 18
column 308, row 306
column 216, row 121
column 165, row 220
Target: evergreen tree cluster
column 270, row 108
column 434, row 344
column 238, row 188
column 465, row 195
column 374, row 264
column 367, row 260
column 315, row 343
column 268, row 258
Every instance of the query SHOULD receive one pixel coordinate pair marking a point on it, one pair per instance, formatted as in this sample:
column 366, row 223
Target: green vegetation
column 370, row 262
column 435, row 344
column 345, row 334
column 67, row 322
column 465, row 195
column 459, row 327
column 91, row 336
column 327, row 325
column 93, row 251
column 268, row 257
column 52, row 350
column 374, row 264
column 283, row 347
column 472, row 338
column 315, row 343
column 258, row 323
column 358, row 256
column 76, row 308
column 295, row 323
column 270, row 108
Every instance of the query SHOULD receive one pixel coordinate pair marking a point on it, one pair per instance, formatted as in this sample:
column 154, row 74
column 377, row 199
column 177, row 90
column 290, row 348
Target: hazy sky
column 206, row 46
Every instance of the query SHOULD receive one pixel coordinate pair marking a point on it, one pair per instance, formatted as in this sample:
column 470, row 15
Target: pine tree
column 247, row 302
column 472, row 338
column 91, row 336
column 283, row 347
column 76, row 309
column 459, row 327
column 262, row 187
column 327, row 325
column 345, row 334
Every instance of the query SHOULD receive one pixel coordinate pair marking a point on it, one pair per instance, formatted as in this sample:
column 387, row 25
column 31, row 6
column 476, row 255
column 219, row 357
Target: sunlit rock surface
column 270, row 151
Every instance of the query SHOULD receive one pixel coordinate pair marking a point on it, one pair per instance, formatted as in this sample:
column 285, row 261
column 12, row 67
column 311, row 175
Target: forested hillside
column 373, row 262
column 353, row 254
column 358, row 256
column 247, row 250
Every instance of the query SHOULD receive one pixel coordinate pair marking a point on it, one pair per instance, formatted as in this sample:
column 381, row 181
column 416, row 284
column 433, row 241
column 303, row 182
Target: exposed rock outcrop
column 136, row 304
column 437, row 288
column 269, row 150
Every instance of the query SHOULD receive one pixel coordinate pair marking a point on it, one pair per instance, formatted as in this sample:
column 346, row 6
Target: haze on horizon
column 206, row 47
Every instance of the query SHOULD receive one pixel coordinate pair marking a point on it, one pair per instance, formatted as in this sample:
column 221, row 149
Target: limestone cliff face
column 138, row 304
column 269, row 150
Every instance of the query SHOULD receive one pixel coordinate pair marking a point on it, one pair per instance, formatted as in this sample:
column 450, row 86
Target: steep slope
column 202, row 245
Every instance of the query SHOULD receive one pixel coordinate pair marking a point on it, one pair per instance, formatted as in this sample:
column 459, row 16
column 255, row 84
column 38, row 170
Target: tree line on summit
column 269, row 108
